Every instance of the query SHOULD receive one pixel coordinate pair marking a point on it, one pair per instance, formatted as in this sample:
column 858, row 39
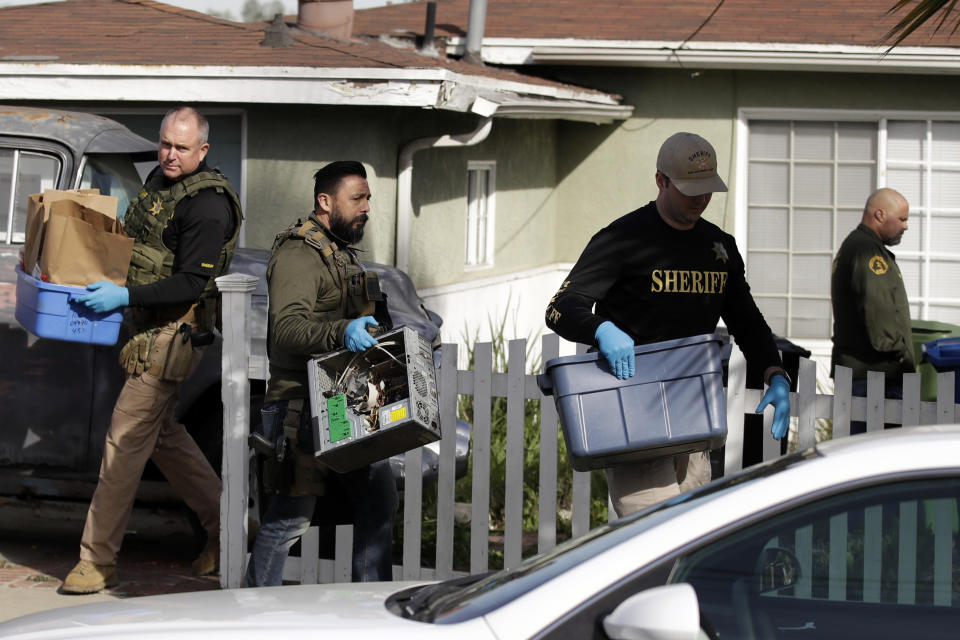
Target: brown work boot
column 88, row 577
column 209, row 559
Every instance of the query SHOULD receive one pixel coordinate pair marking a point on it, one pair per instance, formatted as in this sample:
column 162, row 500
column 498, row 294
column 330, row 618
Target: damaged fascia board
column 430, row 88
column 213, row 84
column 717, row 55
column 566, row 110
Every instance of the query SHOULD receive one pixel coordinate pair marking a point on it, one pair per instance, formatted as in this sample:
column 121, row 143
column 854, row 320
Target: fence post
column 513, row 483
column 842, row 401
column 946, row 412
column 875, row 400
column 309, row 556
column 549, row 448
column 910, row 413
column 412, row 512
column 736, row 391
column 446, row 478
column 343, row 553
column 480, row 514
column 580, row 492
column 806, row 403
column 236, row 290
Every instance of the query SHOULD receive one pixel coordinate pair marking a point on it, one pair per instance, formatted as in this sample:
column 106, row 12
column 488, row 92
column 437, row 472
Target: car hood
column 309, row 611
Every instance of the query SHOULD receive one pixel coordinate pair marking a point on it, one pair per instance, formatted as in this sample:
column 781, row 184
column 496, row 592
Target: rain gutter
column 482, row 107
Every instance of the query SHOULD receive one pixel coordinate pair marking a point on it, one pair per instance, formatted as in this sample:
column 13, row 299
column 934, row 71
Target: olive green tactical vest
column 147, row 217
column 357, row 294
column 359, row 289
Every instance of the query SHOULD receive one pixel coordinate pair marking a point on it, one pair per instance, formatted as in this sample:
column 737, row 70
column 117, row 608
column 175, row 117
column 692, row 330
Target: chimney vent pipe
column 332, row 17
column 475, row 27
column 428, row 29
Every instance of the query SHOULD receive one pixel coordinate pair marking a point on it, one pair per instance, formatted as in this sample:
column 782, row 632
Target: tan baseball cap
column 691, row 164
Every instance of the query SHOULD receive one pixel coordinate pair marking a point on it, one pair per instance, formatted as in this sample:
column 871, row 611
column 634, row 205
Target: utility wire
column 695, row 32
column 702, row 24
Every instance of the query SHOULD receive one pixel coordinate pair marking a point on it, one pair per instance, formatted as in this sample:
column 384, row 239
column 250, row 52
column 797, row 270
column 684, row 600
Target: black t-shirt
column 658, row 283
column 196, row 233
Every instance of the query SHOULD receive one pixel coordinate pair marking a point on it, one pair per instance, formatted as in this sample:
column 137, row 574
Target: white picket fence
column 808, row 407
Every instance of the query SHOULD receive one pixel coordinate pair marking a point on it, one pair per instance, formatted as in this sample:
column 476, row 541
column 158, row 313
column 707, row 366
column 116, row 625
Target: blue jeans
column 372, row 493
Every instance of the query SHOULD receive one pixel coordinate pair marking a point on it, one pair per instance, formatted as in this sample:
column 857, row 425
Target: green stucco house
column 804, row 101
column 489, row 178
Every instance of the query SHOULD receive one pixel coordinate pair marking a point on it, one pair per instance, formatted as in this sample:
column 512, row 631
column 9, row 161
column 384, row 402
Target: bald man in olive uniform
column 871, row 314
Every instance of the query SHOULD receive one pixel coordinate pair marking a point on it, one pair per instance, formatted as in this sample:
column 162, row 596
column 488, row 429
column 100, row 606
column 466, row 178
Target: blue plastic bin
column 49, row 311
column 944, row 355
column 673, row 404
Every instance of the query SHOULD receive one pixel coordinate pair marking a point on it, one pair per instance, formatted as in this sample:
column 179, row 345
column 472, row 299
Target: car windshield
column 114, row 174
column 464, row 598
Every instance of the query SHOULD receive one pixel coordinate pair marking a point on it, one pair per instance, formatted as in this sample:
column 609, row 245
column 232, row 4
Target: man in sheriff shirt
column 659, row 273
column 871, row 315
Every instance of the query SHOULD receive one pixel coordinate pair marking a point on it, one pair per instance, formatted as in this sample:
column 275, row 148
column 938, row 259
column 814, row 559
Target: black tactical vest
column 147, row 217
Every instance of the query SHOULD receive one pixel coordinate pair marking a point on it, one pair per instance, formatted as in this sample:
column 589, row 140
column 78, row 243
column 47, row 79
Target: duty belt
column 201, row 339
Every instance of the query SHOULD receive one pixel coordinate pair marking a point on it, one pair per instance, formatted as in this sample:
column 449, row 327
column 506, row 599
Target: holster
column 173, row 360
column 296, row 472
column 277, row 475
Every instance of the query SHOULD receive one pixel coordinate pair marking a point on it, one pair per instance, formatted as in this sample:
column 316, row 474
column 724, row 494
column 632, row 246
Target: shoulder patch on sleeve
column 878, row 265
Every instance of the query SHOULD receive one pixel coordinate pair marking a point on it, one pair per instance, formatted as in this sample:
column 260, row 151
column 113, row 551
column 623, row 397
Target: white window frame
column 9, row 235
column 741, row 142
column 474, row 259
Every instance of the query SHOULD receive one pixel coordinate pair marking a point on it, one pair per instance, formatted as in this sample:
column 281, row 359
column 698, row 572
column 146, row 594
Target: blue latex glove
column 778, row 394
column 356, row 337
column 105, row 296
column 617, row 348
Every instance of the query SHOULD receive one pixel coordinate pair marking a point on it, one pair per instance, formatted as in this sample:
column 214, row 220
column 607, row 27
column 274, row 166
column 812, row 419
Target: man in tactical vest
column 320, row 300
column 185, row 224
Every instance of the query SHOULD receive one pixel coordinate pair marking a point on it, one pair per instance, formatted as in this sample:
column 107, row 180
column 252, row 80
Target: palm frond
column 922, row 11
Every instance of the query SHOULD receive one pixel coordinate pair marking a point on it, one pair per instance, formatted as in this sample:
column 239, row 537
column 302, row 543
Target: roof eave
column 717, row 55
column 533, row 109
column 390, row 87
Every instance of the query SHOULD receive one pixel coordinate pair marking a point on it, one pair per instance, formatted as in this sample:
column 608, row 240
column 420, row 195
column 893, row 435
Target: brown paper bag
column 82, row 245
column 38, row 212
column 34, row 230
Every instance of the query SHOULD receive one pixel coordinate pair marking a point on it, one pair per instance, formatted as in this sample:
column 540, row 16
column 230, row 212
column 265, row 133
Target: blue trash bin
column 944, row 355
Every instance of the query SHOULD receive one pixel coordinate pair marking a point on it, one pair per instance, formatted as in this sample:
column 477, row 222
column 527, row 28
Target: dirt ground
column 40, row 541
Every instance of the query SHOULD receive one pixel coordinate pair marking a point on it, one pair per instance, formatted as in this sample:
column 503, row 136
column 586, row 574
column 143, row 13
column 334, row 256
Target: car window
column 504, row 586
column 877, row 562
column 21, row 174
column 498, row 588
column 114, row 174
column 586, row 621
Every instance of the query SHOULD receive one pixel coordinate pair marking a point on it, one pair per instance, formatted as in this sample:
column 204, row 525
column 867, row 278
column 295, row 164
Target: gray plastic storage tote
column 673, row 404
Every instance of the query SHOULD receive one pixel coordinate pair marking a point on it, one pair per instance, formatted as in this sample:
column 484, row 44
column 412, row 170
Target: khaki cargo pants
column 143, row 427
column 635, row 486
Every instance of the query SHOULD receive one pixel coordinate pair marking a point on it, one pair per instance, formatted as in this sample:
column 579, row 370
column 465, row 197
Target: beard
column 348, row 231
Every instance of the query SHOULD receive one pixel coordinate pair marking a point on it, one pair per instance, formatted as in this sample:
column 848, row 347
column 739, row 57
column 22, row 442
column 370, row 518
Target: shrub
column 498, row 448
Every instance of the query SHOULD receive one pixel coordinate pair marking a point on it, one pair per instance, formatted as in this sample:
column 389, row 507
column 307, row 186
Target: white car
column 854, row 538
